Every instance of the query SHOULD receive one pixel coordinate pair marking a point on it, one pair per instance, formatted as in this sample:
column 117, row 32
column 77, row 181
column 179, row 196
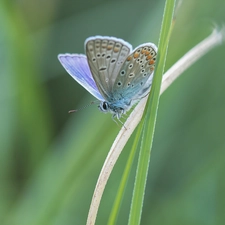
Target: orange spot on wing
column 152, row 68
column 148, row 57
column 136, row 55
column 143, row 51
column 129, row 58
column 109, row 47
column 151, row 62
column 116, row 49
column 147, row 53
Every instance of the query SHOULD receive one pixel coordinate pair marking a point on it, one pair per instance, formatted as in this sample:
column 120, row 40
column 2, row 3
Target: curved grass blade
column 115, row 209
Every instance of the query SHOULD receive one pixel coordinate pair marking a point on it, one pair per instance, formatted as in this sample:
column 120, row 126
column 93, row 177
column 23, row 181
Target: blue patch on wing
column 77, row 66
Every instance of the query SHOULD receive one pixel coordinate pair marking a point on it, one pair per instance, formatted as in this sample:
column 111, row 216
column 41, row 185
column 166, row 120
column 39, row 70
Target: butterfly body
column 111, row 71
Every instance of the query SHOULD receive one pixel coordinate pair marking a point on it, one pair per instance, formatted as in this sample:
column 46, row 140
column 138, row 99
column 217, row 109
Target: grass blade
column 150, row 117
column 119, row 197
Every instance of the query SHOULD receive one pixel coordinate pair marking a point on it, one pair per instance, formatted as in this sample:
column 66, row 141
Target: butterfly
column 112, row 72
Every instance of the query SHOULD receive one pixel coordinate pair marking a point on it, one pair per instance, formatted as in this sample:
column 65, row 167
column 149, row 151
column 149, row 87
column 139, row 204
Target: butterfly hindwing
column 136, row 72
column 106, row 56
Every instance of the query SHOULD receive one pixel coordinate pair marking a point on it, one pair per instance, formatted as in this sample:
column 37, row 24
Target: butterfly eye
column 104, row 106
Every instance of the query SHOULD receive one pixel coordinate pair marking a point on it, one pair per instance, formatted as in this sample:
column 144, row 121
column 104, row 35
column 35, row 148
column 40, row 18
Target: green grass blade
column 119, row 197
column 150, row 119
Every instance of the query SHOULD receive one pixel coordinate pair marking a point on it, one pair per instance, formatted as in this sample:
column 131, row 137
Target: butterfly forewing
column 136, row 72
column 106, row 56
column 77, row 66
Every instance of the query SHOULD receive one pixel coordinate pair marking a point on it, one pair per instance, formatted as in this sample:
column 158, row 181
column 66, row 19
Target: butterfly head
column 112, row 108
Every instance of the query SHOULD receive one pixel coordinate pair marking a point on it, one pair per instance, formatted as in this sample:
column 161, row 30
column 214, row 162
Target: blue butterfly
column 112, row 72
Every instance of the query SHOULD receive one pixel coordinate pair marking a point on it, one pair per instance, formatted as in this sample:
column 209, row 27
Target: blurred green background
column 50, row 160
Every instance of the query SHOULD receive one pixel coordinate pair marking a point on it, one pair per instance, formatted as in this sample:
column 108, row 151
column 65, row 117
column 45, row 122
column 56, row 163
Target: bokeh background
column 50, row 160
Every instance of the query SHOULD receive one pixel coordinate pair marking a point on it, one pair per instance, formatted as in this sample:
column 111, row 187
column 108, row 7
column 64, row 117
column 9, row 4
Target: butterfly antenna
column 75, row 110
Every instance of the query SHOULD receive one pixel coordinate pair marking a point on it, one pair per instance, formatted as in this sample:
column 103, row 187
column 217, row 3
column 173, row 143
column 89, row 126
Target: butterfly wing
column 77, row 66
column 106, row 56
column 135, row 75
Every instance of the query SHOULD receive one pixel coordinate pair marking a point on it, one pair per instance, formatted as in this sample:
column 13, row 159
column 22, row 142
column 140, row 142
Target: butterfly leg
column 116, row 116
column 114, row 119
